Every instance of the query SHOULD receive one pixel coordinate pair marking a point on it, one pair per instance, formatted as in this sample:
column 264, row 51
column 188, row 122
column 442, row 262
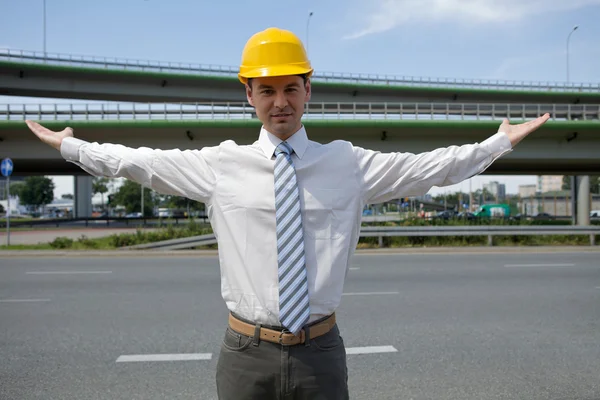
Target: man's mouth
column 281, row 115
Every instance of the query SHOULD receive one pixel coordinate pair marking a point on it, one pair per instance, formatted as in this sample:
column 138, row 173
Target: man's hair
column 303, row 76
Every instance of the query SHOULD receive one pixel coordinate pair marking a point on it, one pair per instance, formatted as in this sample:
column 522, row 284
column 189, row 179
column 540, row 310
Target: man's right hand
column 47, row 136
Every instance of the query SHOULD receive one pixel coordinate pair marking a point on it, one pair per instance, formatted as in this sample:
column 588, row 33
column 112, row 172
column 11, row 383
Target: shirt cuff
column 69, row 148
column 498, row 145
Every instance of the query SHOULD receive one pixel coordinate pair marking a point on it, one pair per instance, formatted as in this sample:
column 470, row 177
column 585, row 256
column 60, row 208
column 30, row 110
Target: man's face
column 279, row 103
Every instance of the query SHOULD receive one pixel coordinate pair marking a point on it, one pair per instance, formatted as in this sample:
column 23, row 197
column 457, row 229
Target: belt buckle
column 283, row 332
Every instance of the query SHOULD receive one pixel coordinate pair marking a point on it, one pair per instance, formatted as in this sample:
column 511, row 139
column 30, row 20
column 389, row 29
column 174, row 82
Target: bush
column 62, row 242
column 510, row 240
column 167, row 233
column 87, row 242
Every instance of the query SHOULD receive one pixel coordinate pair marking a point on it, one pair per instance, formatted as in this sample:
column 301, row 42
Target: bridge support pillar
column 583, row 200
column 82, row 202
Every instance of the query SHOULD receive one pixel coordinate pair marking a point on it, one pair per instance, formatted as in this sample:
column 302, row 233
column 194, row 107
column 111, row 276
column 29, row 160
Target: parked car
column 543, row 215
column 447, row 214
column 466, row 215
column 518, row 217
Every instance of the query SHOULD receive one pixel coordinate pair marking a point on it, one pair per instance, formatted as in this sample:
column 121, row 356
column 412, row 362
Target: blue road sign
column 6, row 167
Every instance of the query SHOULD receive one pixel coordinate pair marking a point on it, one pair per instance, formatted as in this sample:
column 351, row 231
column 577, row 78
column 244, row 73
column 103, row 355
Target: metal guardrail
column 221, row 70
column 99, row 222
column 176, row 244
column 384, row 231
column 316, row 110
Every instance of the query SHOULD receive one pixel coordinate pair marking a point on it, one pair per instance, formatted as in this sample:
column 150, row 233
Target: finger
column 540, row 120
column 505, row 124
column 37, row 128
column 532, row 125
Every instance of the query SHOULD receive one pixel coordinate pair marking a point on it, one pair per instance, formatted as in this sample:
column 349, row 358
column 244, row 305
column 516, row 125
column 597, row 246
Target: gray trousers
column 249, row 369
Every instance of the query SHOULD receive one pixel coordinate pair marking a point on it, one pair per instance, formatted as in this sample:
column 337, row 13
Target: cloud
column 388, row 14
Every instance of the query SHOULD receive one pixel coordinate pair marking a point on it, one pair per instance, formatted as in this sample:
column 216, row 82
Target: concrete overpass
column 93, row 78
column 560, row 147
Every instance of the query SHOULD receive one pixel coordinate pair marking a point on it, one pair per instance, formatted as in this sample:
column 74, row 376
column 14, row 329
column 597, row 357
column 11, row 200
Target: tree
column 483, row 196
column 453, row 199
column 37, row 191
column 100, row 185
column 181, row 203
column 513, row 202
column 15, row 189
column 2, row 210
column 129, row 196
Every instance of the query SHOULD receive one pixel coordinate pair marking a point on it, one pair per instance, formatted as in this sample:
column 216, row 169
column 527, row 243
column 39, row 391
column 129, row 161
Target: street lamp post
column 44, row 28
column 310, row 14
column 568, row 38
column 142, row 206
column 573, row 177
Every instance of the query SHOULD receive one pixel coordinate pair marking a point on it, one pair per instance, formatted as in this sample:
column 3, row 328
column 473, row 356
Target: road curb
column 385, row 251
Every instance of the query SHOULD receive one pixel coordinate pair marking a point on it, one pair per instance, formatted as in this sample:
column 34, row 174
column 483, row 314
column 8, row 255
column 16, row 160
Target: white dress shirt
column 336, row 180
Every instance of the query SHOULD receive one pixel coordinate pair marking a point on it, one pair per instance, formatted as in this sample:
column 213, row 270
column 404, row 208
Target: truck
column 493, row 211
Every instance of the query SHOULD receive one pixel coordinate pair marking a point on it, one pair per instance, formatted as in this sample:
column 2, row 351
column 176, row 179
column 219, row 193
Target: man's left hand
column 516, row 133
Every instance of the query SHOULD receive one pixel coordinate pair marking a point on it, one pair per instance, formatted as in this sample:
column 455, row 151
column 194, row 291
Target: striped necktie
column 293, row 283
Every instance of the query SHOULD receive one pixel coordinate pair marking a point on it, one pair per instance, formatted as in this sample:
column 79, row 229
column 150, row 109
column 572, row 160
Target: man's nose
column 281, row 100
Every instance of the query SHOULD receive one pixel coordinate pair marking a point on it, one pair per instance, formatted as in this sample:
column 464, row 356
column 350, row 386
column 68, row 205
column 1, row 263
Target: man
column 286, row 212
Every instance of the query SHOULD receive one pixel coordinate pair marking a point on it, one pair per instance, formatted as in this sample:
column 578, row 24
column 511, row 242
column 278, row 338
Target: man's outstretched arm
column 387, row 176
column 188, row 173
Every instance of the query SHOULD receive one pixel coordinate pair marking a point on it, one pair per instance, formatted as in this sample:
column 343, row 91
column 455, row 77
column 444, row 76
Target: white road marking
column 208, row 356
column 23, row 300
column 370, row 350
column 354, row 268
column 66, row 272
column 538, row 265
column 368, row 293
column 165, row 357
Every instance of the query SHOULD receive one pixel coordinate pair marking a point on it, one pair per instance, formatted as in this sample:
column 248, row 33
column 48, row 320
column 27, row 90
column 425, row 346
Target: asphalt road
column 450, row 326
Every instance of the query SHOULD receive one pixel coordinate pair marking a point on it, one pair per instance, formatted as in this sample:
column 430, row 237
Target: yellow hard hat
column 273, row 52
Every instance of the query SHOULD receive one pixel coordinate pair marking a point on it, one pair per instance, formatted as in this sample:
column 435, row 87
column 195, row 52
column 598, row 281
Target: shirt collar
column 268, row 142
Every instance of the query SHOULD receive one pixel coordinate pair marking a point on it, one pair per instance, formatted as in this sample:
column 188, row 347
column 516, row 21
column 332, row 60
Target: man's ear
column 249, row 95
column 308, row 89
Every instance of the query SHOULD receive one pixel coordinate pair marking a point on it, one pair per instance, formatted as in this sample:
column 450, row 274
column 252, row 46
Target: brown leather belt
column 282, row 337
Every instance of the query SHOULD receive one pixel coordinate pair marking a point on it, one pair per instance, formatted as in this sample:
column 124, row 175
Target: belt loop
column 307, row 336
column 256, row 338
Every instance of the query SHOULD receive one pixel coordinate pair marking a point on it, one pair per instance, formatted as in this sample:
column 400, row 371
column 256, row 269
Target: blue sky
column 475, row 39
